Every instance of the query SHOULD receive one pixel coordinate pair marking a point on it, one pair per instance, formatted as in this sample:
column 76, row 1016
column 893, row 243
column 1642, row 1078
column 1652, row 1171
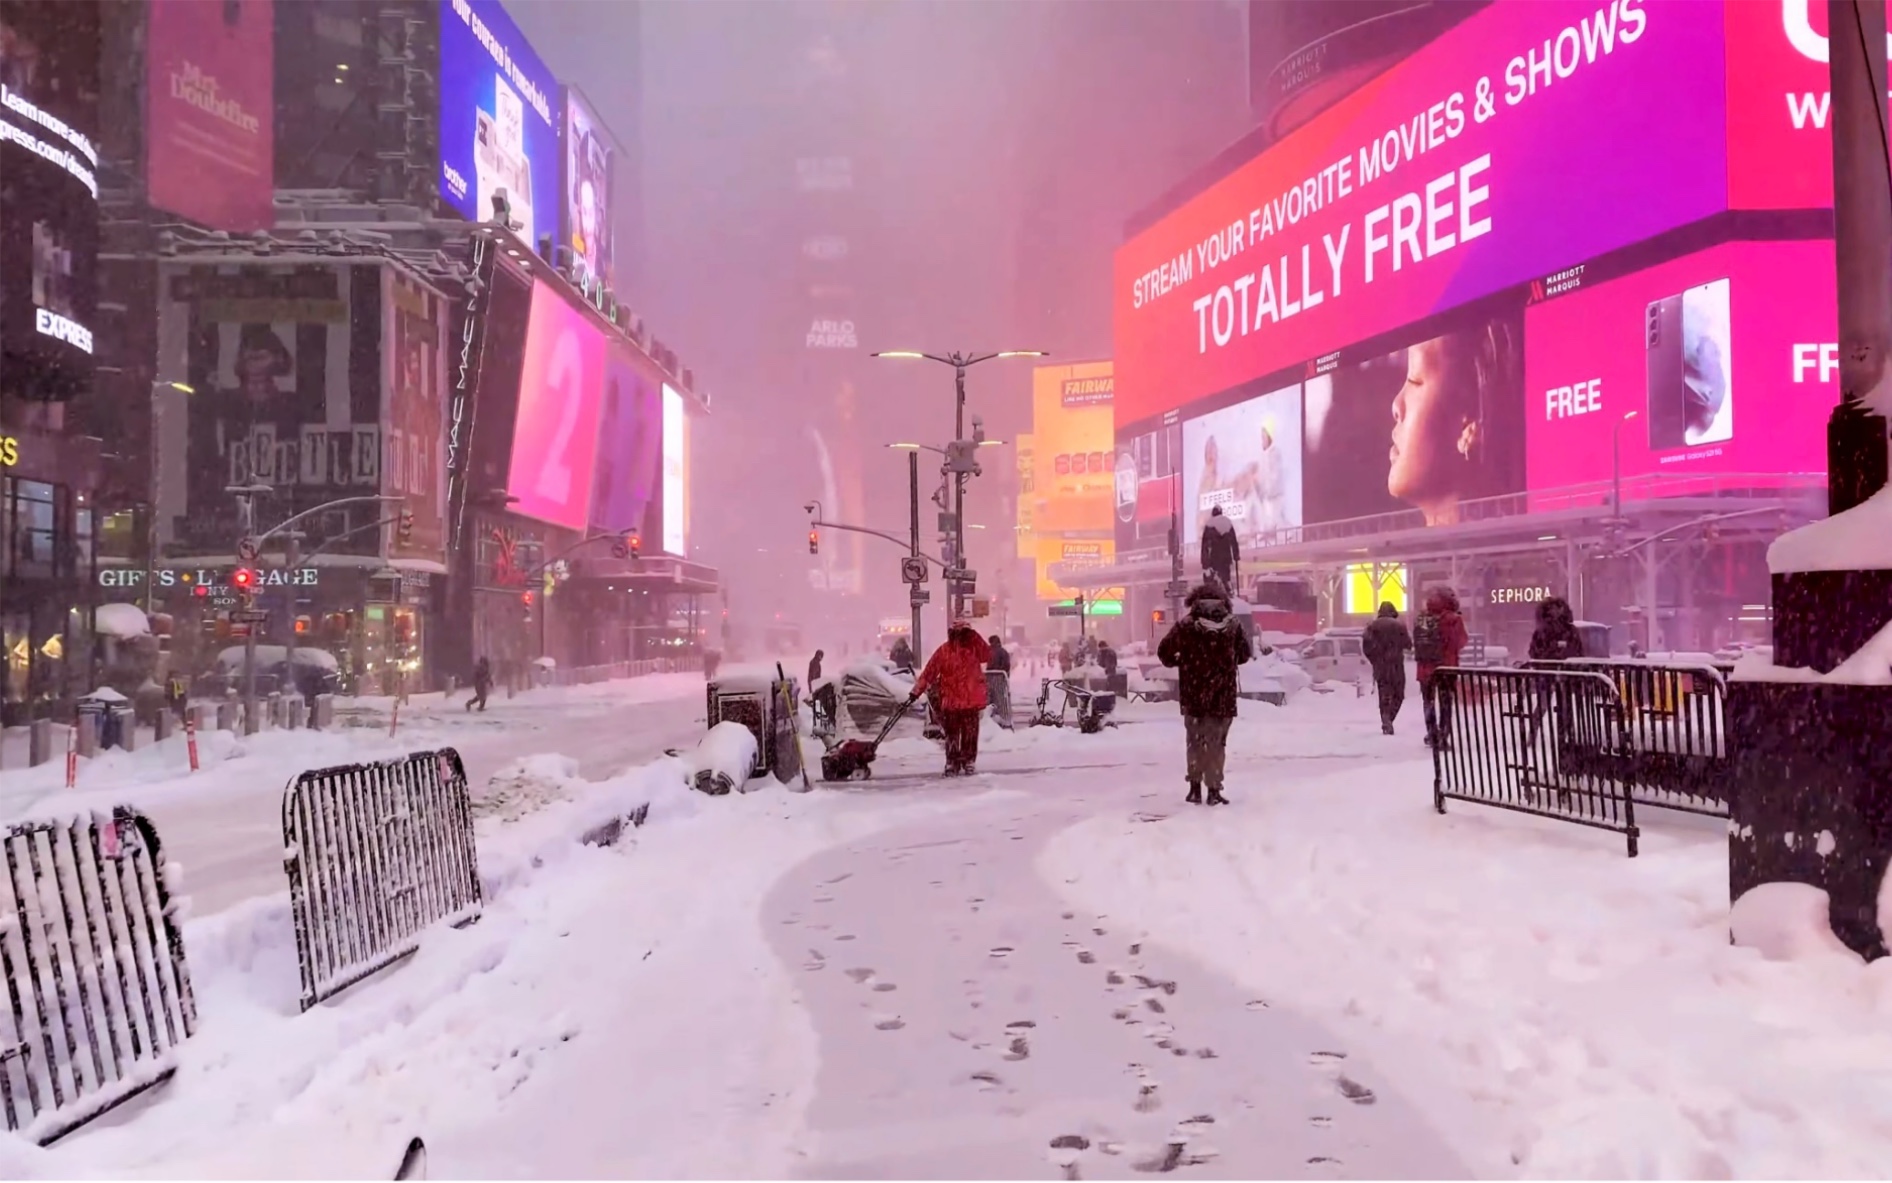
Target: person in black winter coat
column 1107, row 659
column 1556, row 637
column 814, row 669
column 998, row 682
column 1220, row 549
column 1385, row 644
column 1207, row 648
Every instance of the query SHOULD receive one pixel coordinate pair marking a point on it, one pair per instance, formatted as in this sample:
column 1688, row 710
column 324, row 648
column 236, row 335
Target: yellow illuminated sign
column 1369, row 585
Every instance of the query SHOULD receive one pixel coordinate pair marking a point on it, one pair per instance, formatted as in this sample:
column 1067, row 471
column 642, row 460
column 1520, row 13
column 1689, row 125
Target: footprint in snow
column 1001, row 952
column 1205, row 1053
column 1163, row 1161
column 846, row 936
column 988, row 1082
column 884, row 987
column 1354, row 1091
column 1067, row 915
column 1155, row 1005
column 1113, row 978
column 860, row 975
column 1326, row 1059
column 1149, row 983
column 1066, row 1150
column 890, row 1023
column 845, row 875
column 1257, row 1004
column 1018, row 1049
column 1019, row 1026
column 1321, row 1123
column 1086, row 957
column 1136, row 950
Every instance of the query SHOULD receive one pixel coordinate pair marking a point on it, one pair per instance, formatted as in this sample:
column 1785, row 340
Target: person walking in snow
column 814, row 669
column 1554, row 639
column 1106, row 659
column 901, row 655
column 1438, row 637
column 1206, row 648
column 482, row 683
column 1385, row 644
column 957, row 671
column 998, row 682
column 1220, row 549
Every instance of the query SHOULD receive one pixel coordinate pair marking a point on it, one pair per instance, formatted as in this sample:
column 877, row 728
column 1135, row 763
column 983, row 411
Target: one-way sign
column 249, row 616
column 1064, row 610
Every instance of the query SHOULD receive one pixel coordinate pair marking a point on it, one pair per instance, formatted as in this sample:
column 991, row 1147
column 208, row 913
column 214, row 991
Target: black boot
column 1195, row 793
column 1215, row 795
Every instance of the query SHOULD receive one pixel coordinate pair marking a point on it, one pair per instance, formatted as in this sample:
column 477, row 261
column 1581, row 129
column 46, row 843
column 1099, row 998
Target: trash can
column 91, row 724
column 121, row 719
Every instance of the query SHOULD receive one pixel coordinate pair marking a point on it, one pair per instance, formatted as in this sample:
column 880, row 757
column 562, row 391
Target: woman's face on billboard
column 1426, row 428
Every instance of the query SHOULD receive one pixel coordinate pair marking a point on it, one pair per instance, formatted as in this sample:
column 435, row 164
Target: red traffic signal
column 814, row 542
column 635, row 542
column 243, row 579
column 526, row 598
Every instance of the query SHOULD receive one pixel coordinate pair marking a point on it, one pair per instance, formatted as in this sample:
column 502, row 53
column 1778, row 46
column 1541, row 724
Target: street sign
column 913, row 570
column 981, row 606
column 249, row 616
column 620, row 549
column 246, row 549
column 919, row 596
column 1177, row 589
column 1064, row 610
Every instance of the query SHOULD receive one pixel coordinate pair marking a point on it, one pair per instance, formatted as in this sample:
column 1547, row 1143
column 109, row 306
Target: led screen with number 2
column 555, row 439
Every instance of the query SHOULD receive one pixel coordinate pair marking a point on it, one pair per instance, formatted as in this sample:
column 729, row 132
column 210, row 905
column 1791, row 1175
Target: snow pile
column 232, row 658
column 125, row 622
column 1787, row 922
column 1565, row 1012
column 524, row 786
column 1860, row 539
column 723, row 759
column 1269, row 673
column 105, row 694
column 1870, row 666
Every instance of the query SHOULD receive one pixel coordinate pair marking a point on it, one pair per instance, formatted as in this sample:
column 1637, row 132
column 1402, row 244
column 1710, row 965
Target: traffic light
column 243, row 579
column 814, row 542
column 407, row 526
column 635, row 542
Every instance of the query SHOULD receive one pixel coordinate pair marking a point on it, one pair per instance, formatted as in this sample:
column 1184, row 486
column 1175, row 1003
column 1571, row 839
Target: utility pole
column 913, row 535
column 246, row 529
column 1862, row 224
column 955, row 589
column 292, row 559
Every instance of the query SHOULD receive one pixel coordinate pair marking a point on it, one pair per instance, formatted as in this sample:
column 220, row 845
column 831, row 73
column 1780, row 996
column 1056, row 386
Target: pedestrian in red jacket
column 957, row 669
column 1438, row 637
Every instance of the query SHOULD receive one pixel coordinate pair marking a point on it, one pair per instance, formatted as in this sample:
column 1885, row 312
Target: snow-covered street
column 1054, row 969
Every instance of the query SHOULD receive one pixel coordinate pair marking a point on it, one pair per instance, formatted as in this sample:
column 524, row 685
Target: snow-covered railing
column 586, row 675
column 376, row 854
column 97, row 995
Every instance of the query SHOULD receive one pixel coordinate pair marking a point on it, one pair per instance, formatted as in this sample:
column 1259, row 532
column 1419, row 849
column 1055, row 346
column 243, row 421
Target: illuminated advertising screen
column 210, row 118
column 1423, row 425
column 676, row 482
column 1780, row 147
column 49, row 106
column 590, row 161
column 1245, row 460
column 499, row 119
column 630, row 443
column 1526, row 138
column 555, row 433
column 1719, row 362
column 1066, row 550
column 1148, row 484
column 1073, row 450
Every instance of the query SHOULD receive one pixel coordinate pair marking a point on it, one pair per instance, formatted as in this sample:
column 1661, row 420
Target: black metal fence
column 376, row 854
column 1675, row 751
column 97, row 992
column 1535, row 741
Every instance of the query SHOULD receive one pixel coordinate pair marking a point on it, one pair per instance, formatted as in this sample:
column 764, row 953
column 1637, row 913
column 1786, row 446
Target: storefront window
column 82, row 550
column 32, row 530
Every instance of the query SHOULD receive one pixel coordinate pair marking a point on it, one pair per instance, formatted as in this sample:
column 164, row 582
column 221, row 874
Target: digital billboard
column 1426, row 425
column 1147, row 481
column 1718, row 362
column 1245, row 460
column 1066, row 550
column 590, row 164
column 210, row 112
column 555, row 433
column 499, row 122
column 630, row 443
column 1027, row 494
column 1072, row 448
column 676, row 476
column 1527, row 137
column 49, row 109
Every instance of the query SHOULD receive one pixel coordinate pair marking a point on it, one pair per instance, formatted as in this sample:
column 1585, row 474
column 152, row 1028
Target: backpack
column 1428, row 640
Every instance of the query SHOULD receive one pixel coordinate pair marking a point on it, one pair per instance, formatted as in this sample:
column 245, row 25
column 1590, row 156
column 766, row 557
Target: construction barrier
column 97, row 992
column 376, row 854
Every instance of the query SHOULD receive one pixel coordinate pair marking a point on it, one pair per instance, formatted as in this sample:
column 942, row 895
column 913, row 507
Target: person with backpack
column 1206, row 648
column 1385, row 644
column 1438, row 637
column 1220, row 549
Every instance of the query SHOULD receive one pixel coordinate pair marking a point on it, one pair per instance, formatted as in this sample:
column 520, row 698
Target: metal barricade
column 1676, row 752
column 1541, row 741
column 97, row 993
column 376, row 854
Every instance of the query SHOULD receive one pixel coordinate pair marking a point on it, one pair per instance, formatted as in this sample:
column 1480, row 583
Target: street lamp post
column 1616, row 465
column 959, row 461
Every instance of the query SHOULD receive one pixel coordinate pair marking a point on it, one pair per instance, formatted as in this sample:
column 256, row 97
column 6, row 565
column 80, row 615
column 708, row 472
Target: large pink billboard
column 210, row 111
column 1529, row 137
column 555, row 436
column 1720, row 363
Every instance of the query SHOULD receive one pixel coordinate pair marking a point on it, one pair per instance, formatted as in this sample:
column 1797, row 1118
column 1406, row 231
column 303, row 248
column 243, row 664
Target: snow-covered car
column 1335, row 656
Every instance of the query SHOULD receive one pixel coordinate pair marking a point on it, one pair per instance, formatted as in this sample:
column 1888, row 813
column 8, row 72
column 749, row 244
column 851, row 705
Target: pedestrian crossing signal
column 814, row 542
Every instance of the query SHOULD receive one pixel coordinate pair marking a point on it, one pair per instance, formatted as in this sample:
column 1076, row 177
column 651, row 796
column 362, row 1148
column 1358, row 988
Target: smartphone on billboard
column 1662, row 341
column 1707, row 364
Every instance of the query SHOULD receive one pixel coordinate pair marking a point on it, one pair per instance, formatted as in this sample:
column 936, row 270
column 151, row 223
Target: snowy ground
column 1054, row 969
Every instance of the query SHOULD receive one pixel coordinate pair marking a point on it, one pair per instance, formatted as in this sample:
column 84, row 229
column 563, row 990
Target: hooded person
column 1206, row 648
column 1385, row 644
column 1220, row 549
column 1438, row 637
column 957, row 672
column 1555, row 638
column 998, row 681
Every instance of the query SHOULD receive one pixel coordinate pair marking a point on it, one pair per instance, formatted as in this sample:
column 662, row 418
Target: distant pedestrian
column 482, row 683
column 902, row 655
column 814, row 669
column 1556, row 637
column 1220, row 550
column 711, row 659
column 1107, row 659
column 1206, row 648
column 998, row 681
column 1438, row 637
column 1385, row 645
column 957, row 672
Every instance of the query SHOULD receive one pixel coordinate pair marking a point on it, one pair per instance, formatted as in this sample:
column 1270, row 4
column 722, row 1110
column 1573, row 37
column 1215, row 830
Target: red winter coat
column 958, row 669
column 1444, row 605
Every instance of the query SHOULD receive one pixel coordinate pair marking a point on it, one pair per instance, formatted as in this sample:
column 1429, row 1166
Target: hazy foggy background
column 997, row 149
